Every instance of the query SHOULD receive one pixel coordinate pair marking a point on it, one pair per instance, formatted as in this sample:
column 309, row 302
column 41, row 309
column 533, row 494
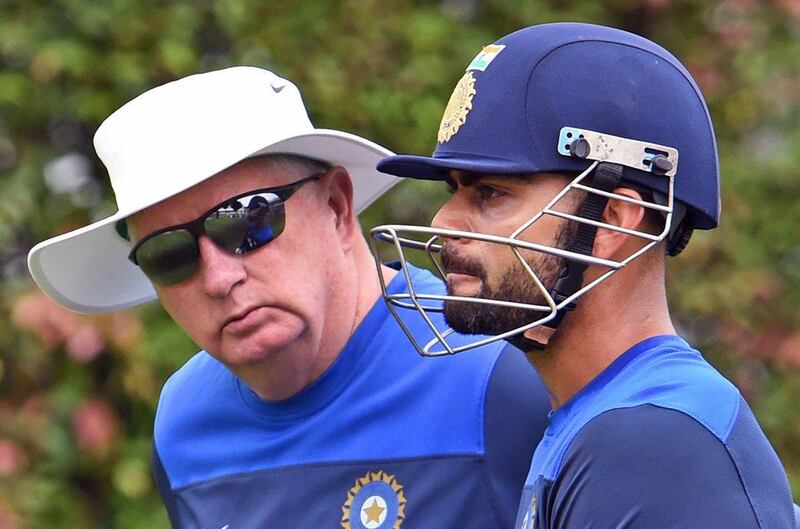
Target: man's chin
column 259, row 347
column 465, row 317
column 477, row 318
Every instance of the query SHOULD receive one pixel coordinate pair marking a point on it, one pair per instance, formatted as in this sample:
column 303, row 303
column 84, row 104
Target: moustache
column 458, row 264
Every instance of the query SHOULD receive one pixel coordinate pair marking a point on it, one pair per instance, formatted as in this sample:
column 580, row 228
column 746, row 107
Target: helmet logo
column 457, row 108
column 486, row 56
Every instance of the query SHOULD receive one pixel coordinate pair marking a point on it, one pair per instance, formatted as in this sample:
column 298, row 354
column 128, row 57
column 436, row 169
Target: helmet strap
column 605, row 177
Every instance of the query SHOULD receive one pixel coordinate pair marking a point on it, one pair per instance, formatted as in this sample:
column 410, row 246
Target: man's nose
column 219, row 270
column 452, row 216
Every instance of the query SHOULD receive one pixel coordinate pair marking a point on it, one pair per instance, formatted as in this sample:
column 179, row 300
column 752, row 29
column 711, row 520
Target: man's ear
column 340, row 202
column 608, row 242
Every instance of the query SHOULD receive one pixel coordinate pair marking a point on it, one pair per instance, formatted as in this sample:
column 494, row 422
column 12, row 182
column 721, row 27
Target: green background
column 78, row 393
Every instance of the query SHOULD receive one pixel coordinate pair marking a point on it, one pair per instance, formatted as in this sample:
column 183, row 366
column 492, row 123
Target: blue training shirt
column 658, row 440
column 383, row 439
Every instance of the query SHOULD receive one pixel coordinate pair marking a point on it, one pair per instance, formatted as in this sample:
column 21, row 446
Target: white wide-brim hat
column 172, row 138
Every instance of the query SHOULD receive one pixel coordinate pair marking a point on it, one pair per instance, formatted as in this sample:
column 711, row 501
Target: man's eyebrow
column 468, row 179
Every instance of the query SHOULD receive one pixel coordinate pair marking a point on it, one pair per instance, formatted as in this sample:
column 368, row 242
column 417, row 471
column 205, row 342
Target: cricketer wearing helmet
column 579, row 157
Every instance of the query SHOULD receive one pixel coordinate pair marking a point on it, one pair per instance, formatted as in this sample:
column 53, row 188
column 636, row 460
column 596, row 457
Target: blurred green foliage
column 78, row 393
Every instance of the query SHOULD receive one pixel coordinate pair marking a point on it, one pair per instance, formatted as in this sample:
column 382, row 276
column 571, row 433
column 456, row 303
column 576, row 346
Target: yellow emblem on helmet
column 457, row 108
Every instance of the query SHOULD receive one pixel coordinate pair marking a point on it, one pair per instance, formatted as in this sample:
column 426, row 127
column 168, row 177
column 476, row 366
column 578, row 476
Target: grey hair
column 295, row 165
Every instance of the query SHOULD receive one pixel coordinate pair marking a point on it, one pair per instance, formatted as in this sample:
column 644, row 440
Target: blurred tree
column 78, row 393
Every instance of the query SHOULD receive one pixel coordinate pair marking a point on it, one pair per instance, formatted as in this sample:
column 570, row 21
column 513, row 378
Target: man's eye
column 488, row 192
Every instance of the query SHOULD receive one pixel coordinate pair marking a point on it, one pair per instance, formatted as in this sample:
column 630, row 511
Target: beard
column 515, row 285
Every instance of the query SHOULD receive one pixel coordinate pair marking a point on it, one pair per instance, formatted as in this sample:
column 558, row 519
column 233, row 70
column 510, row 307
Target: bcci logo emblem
column 375, row 501
column 458, row 107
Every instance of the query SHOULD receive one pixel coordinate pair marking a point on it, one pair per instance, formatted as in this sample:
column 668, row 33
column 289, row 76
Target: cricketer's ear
column 340, row 202
column 616, row 245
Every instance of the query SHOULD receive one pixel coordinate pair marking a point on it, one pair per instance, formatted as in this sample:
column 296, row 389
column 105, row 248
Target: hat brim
column 437, row 168
column 87, row 270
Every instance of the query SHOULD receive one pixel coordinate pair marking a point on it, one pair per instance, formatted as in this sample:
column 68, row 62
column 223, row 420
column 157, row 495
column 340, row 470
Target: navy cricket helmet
column 507, row 111
column 608, row 106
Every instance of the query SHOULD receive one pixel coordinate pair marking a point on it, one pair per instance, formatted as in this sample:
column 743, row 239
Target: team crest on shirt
column 376, row 501
column 455, row 115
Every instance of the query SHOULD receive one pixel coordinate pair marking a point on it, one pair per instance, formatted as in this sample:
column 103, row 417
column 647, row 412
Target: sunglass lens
column 247, row 228
column 168, row 258
column 267, row 217
column 227, row 230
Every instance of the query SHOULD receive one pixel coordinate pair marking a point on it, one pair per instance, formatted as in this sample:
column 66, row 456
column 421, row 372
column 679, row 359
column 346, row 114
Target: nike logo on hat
column 277, row 89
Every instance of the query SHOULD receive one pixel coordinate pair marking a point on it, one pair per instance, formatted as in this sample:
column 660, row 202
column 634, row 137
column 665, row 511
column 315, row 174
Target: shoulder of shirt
column 676, row 376
column 425, row 278
column 666, row 452
column 672, row 376
column 193, row 379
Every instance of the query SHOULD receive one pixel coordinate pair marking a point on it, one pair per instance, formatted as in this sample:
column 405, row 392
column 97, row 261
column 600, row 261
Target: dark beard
column 516, row 285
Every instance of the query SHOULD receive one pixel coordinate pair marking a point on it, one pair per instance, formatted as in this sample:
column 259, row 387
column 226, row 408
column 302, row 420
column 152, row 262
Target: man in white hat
column 306, row 408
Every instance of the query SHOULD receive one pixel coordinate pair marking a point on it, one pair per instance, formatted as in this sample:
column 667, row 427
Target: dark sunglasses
column 239, row 225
